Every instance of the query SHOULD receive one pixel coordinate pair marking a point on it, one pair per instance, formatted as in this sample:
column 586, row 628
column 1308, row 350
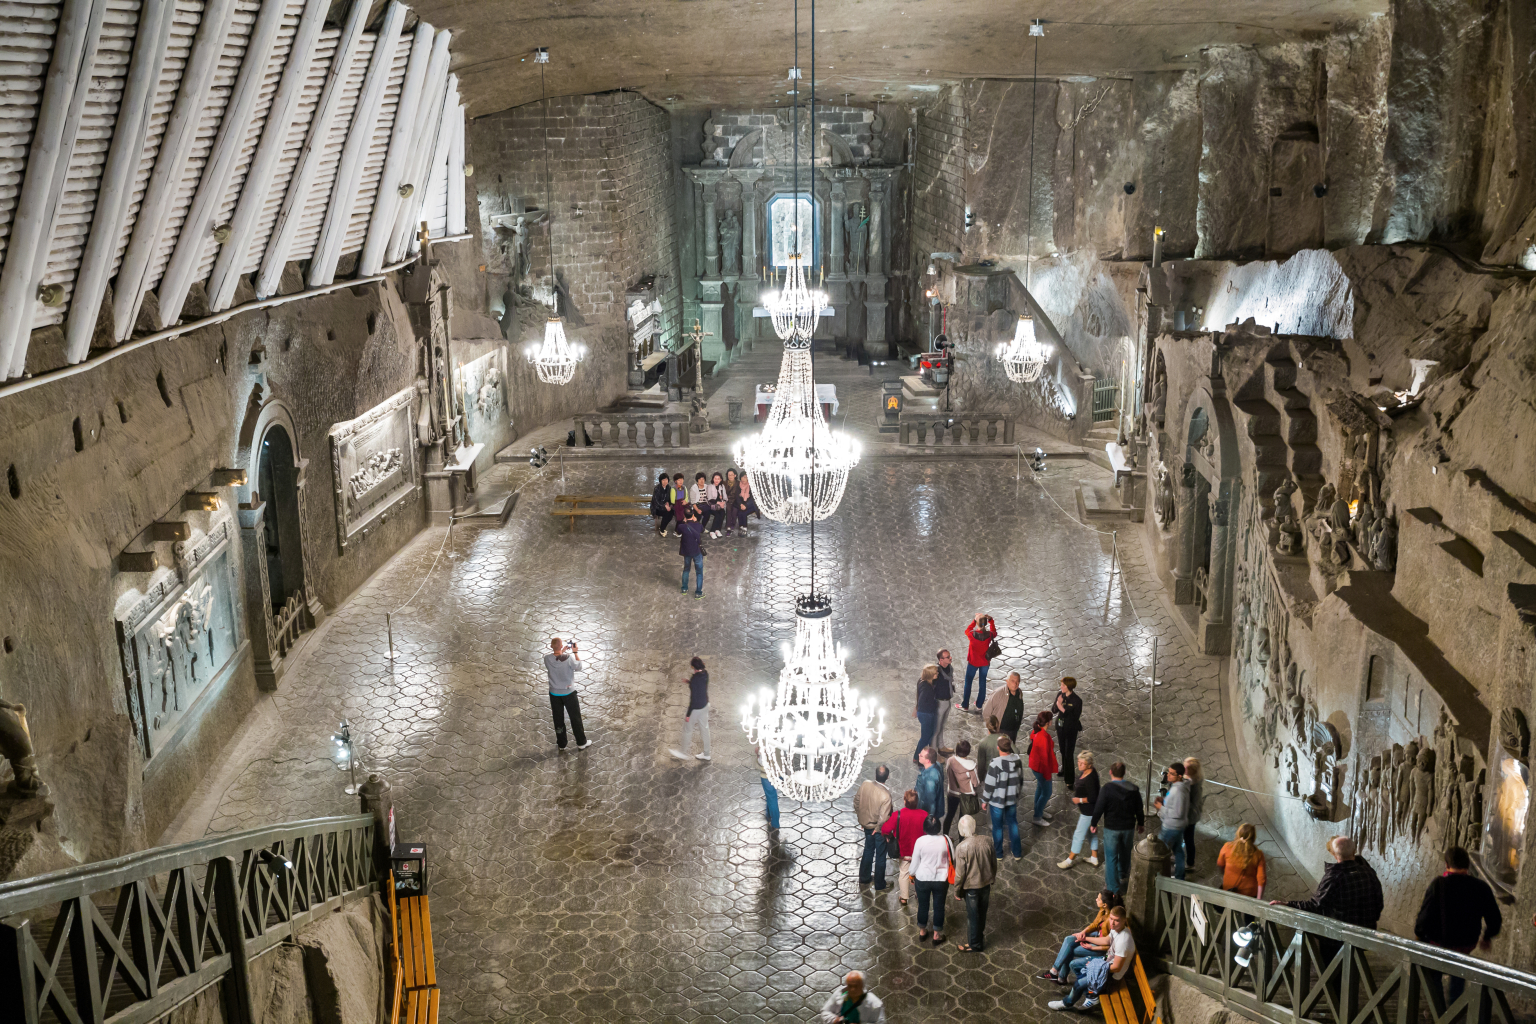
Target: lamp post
column 344, row 754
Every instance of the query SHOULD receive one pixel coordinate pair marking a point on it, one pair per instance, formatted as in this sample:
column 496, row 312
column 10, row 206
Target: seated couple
column 1098, row 955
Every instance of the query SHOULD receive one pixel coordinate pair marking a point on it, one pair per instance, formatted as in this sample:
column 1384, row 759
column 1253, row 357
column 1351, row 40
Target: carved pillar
column 835, row 224
column 1189, row 536
column 1215, row 629
column 746, row 292
column 711, row 232
column 311, row 599
column 258, row 594
column 877, row 226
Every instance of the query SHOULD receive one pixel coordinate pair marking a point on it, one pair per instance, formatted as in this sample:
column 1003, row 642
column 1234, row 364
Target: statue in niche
column 1324, row 794
column 1384, row 544
column 1338, row 517
column 730, row 244
column 1365, row 522
column 858, row 237
column 1319, row 516
column 1282, row 498
column 1290, row 542
column 1291, row 773
column 1261, row 646
column 1423, row 791
column 1159, row 404
column 488, row 398
column 16, row 747
column 1166, row 508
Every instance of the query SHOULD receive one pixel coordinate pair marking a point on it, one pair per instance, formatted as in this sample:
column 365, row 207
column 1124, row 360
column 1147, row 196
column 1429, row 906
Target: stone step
column 493, row 513
column 1095, row 505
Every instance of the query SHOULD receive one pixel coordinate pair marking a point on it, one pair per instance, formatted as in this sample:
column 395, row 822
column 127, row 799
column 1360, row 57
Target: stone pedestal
column 1151, row 858
column 875, row 344
column 710, row 305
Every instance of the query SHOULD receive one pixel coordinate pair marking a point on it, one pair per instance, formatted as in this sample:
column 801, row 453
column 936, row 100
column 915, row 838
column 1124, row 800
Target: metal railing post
column 18, row 980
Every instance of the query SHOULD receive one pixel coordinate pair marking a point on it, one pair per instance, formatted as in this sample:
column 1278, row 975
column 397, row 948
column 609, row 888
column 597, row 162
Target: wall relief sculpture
column 179, row 638
column 16, row 747
column 1508, row 800
column 373, row 465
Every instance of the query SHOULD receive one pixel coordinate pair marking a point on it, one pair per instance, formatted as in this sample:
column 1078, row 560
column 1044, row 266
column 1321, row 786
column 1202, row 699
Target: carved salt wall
column 374, row 466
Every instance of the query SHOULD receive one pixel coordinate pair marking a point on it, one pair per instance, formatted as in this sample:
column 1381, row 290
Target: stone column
column 877, row 226
column 1184, row 568
column 711, row 303
column 711, row 232
column 839, row 211
column 875, row 345
column 1150, row 859
column 1214, row 635
column 698, row 229
column 258, row 593
column 751, row 271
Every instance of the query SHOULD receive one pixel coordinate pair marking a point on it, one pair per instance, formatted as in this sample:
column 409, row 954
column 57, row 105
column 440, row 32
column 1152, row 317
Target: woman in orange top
column 1242, row 864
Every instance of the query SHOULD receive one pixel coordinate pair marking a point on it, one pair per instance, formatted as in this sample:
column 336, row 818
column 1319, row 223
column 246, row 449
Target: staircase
column 1283, row 429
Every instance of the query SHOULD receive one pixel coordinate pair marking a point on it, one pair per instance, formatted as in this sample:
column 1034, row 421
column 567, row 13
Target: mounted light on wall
column 1248, row 942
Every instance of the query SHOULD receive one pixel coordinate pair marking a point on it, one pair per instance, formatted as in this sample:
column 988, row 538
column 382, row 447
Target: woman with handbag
column 962, row 784
column 902, row 831
column 1042, row 761
column 982, row 637
column 933, row 869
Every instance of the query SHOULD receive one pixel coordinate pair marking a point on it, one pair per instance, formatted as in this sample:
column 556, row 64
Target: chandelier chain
column 1029, row 223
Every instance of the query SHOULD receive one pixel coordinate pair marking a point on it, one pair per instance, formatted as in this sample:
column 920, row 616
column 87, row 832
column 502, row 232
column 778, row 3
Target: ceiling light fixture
column 796, row 308
column 1025, row 356
column 555, row 360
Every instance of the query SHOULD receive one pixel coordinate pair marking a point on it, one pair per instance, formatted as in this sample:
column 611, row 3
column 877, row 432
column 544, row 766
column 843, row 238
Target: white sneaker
column 1057, row 1004
column 1065, row 864
column 1039, row 821
column 583, row 746
column 703, row 757
column 1094, row 860
column 678, row 754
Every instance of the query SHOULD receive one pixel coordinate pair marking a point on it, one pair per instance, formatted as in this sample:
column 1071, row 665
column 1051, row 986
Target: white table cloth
column 826, row 394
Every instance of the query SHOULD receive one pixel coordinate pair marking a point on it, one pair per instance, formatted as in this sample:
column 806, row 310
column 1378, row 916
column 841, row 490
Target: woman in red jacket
column 981, row 632
column 1042, row 761
column 907, row 826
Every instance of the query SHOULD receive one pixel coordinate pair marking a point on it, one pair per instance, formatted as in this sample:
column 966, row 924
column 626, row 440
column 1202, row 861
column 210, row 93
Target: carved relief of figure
column 1364, row 521
column 1282, row 497
column 1291, row 773
column 1159, row 400
column 1472, row 801
column 1324, row 791
column 1423, row 791
column 1338, row 517
column 1165, row 509
column 16, row 746
column 858, row 236
column 1408, row 757
column 1384, row 549
column 730, row 244
column 1290, row 542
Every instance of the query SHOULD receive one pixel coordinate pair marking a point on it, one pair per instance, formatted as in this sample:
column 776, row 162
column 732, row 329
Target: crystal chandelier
column 556, row 359
column 1024, row 357
column 814, row 730
column 797, row 466
column 796, row 307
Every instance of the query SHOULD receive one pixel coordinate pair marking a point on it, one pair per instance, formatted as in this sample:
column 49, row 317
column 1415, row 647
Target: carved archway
column 1210, row 475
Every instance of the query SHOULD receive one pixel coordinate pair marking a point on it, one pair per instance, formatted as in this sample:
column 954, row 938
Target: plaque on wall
column 180, row 637
column 373, row 462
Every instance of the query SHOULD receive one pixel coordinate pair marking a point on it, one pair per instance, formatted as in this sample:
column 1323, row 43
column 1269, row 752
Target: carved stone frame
column 408, row 489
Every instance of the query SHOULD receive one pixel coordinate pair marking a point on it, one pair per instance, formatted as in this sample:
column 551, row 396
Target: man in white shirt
column 1121, row 954
column 562, row 667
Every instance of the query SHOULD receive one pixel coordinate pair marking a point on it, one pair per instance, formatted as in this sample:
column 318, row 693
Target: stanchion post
column 389, row 630
column 1151, row 715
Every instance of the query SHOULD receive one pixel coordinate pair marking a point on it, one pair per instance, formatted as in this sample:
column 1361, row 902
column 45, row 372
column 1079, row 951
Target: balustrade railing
column 1304, row 967
column 289, row 623
column 124, row 941
column 955, row 428
column 633, row 429
column 1106, row 398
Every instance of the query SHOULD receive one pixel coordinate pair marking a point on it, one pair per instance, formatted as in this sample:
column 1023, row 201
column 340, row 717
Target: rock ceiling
column 702, row 53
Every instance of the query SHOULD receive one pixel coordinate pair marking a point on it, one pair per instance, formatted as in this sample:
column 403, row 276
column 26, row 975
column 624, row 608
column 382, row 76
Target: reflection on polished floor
column 620, row 884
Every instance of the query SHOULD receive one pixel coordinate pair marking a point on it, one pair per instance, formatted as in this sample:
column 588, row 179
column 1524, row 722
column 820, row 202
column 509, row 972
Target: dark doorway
column 278, row 486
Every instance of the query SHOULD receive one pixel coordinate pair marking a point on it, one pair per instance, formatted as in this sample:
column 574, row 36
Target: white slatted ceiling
column 274, row 71
column 325, row 52
column 373, row 165
column 189, row 14
column 320, row 196
column 435, row 210
column 108, row 75
column 207, row 129
column 26, row 46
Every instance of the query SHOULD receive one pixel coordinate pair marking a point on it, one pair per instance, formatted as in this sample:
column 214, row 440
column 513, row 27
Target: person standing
column 1000, row 790
column 978, row 659
column 1042, row 761
column 852, row 1003
column 1349, row 891
column 1007, row 705
column 1196, row 781
column 1085, row 794
column 770, row 794
column 943, row 693
column 975, row 869
column 1459, row 913
column 661, row 506
column 1242, row 864
column 1119, row 808
column 691, row 547
column 562, row 666
column 932, row 858
column 1173, row 808
column 906, row 825
column 930, row 783
column 872, row 805
column 697, row 713
column 1069, row 722
column 961, row 784
column 986, row 750
column 926, row 710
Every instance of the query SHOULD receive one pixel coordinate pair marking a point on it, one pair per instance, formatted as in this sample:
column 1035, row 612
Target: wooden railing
column 955, row 428
column 1304, row 967
column 126, row 940
column 633, row 429
column 1106, row 399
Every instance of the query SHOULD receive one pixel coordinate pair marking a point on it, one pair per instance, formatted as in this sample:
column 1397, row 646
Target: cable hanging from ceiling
column 1024, row 357
column 555, row 360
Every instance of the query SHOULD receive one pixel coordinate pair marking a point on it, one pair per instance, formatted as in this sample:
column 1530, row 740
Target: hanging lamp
column 797, row 466
column 796, row 307
column 1025, row 356
column 555, row 360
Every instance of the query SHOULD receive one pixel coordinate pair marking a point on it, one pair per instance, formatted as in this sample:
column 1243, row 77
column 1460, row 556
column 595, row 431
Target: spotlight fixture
column 1037, row 460
column 539, row 457
column 1248, row 942
column 275, row 860
column 1036, row 27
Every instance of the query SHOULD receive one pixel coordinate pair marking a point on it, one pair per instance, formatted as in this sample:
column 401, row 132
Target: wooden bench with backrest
column 600, row 505
column 416, row 992
column 1119, row 1003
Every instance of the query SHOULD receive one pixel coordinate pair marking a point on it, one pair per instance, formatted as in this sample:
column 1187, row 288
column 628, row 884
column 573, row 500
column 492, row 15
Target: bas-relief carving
column 1427, row 791
column 178, row 638
column 856, row 224
column 730, row 244
column 373, row 462
column 16, row 747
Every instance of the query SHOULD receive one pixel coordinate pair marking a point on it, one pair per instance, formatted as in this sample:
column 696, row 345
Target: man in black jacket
column 1459, row 913
column 1119, row 804
column 1349, row 890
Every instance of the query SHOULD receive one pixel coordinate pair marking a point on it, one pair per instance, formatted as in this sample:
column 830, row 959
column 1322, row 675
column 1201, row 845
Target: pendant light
column 796, row 308
column 1025, row 356
column 555, row 360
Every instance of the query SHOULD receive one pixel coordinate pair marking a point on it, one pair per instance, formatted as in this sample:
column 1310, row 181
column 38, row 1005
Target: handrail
column 186, row 917
column 1309, row 967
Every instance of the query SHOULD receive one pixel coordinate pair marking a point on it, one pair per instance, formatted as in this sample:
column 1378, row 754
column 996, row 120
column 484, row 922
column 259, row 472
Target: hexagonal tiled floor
column 620, row 884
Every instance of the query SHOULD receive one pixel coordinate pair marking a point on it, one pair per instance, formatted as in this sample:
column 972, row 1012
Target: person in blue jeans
column 1092, row 941
column 927, row 710
column 1117, row 816
column 1121, row 953
column 979, row 635
column 1173, row 808
column 691, row 548
column 770, row 795
column 1000, row 791
column 930, row 782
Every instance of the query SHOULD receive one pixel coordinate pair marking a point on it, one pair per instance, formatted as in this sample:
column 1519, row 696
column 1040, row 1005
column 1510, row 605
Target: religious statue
column 1324, row 792
column 1423, row 791
column 1324, row 505
column 1407, row 758
column 1159, row 400
column 1165, row 509
column 1338, row 517
column 1290, row 532
column 1292, row 775
column 858, row 236
column 1283, row 498
column 16, row 747
column 730, row 244
column 1384, row 544
column 1365, row 522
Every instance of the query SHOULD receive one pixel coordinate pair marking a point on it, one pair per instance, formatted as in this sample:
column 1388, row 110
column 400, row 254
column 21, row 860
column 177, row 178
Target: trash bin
column 890, row 400
column 409, row 863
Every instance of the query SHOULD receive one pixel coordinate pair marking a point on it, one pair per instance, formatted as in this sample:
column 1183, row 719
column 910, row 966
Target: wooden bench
column 576, row 501
column 1119, row 1003
column 416, row 994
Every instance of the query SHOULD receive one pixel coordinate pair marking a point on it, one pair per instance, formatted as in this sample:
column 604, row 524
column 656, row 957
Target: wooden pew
column 1119, row 1003
column 600, row 505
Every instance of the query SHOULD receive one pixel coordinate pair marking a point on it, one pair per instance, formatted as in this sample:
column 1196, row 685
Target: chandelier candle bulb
column 555, row 360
